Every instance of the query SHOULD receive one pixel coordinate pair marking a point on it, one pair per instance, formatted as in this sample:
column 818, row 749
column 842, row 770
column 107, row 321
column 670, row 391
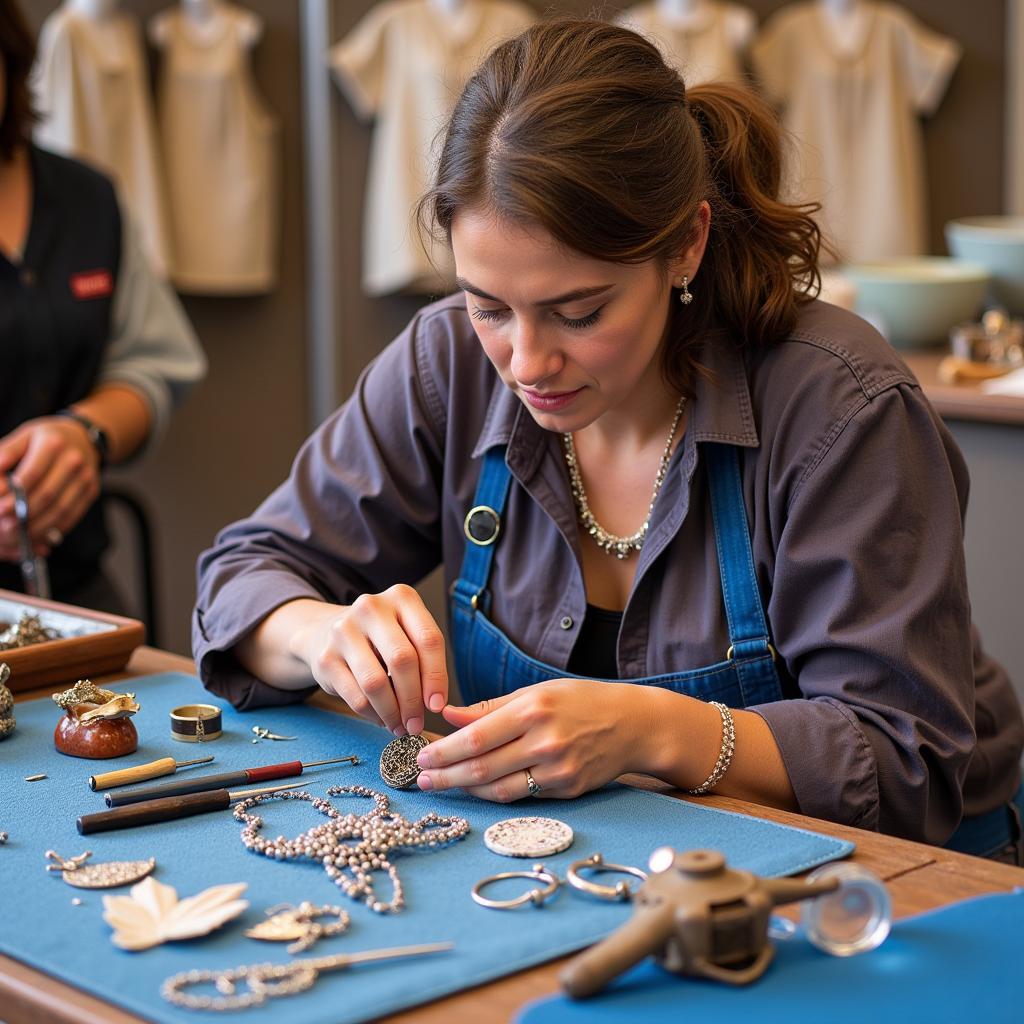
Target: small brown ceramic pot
column 105, row 737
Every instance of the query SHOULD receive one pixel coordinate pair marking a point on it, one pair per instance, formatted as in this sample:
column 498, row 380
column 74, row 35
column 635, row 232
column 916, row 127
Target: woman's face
column 572, row 336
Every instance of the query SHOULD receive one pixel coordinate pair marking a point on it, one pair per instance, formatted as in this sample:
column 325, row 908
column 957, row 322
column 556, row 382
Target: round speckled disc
column 398, row 767
column 528, row 837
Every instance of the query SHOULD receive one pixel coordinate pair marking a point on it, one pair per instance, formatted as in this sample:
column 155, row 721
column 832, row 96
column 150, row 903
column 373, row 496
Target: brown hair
column 580, row 127
column 17, row 50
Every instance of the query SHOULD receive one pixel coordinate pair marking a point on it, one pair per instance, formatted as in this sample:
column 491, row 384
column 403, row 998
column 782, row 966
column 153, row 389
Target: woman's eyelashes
column 576, row 323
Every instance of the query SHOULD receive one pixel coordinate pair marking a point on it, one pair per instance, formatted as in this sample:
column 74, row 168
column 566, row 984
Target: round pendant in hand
column 398, row 766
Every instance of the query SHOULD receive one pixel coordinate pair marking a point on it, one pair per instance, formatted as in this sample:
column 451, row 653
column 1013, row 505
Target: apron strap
column 481, row 527
column 749, row 641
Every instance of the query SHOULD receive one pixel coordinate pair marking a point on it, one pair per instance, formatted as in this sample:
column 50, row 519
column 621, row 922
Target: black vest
column 55, row 322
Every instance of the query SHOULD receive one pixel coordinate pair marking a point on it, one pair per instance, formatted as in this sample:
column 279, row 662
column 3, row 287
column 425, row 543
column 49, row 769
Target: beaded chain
column 611, row 543
column 351, row 847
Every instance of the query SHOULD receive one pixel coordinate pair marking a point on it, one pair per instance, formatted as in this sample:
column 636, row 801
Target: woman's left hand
column 573, row 735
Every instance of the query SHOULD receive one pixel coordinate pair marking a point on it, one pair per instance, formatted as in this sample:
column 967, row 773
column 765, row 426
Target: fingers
column 427, row 638
column 385, row 653
column 335, row 678
column 487, row 770
column 507, row 788
column 496, row 726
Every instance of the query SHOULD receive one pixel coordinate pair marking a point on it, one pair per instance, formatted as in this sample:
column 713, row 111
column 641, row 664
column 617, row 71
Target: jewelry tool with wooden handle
column 142, row 772
column 242, row 777
column 168, row 808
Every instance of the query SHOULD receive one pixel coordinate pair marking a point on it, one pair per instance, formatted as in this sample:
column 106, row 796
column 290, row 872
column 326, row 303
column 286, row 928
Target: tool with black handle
column 241, row 777
column 168, row 809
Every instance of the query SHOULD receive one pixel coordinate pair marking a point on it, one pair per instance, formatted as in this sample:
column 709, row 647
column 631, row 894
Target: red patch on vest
column 92, row 284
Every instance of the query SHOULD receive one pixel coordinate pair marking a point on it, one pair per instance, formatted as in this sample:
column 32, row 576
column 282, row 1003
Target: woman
column 644, row 454
column 95, row 350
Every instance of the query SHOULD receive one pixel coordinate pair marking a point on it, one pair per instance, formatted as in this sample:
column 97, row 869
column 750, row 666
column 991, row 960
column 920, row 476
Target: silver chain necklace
column 609, row 542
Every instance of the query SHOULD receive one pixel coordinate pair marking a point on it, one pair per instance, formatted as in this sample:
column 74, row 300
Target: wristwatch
column 96, row 434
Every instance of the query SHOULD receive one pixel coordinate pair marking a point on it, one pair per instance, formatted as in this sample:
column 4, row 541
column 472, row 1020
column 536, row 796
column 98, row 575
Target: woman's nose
column 533, row 360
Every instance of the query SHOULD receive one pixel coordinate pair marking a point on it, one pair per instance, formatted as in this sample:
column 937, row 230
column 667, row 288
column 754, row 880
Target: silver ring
column 54, row 537
column 535, row 896
column 595, row 862
column 531, row 784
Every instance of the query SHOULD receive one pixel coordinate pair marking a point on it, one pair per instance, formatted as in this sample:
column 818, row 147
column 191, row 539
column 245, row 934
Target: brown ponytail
column 762, row 254
column 578, row 126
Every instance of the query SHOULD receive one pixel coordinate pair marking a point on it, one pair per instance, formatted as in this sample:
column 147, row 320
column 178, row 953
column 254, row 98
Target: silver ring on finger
column 54, row 537
column 531, row 783
column 595, row 862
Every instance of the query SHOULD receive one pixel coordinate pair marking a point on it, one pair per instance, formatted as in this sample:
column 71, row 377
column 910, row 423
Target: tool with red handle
column 242, row 777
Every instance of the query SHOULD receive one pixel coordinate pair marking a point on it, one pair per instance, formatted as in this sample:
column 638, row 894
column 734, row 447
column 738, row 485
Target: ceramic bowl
column 997, row 243
column 915, row 301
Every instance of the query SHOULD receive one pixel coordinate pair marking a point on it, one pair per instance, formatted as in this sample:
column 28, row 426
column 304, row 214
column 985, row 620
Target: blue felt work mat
column 950, row 966
column 40, row 926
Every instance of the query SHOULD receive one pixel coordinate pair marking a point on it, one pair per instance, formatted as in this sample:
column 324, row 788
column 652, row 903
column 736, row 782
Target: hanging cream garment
column 708, row 49
column 221, row 153
column 856, row 119
column 92, row 91
column 404, row 65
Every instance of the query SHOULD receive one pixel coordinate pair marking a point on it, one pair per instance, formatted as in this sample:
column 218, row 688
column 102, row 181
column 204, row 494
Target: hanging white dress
column 404, row 66
column 220, row 151
column 92, row 91
column 856, row 119
column 709, row 48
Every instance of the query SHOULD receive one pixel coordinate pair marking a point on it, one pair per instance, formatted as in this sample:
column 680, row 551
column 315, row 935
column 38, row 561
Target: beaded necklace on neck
column 620, row 547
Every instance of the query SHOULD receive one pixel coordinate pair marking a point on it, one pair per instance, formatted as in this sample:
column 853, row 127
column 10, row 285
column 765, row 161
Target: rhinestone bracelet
column 724, row 755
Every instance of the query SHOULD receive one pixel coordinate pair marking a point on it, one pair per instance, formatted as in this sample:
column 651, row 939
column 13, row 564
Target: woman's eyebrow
column 558, row 300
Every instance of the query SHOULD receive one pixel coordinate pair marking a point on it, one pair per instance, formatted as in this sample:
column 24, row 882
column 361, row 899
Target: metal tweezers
column 34, row 574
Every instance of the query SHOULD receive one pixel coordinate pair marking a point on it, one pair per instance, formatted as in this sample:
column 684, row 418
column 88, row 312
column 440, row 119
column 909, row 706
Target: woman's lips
column 549, row 401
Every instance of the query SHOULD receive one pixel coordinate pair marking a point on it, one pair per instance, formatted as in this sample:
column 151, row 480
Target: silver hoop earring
column 537, row 897
column 685, row 296
column 596, row 863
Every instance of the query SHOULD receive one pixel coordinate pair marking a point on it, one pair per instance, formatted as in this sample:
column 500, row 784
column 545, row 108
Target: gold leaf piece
column 152, row 913
column 85, row 691
column 121, row 706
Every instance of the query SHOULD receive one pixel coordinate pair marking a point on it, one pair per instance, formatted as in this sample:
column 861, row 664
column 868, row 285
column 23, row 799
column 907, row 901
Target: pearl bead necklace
column 351, row 847
column 621, row 547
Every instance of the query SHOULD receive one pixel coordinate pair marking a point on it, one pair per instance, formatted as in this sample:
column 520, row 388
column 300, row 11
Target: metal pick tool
column 267, row 981
column 34, row 574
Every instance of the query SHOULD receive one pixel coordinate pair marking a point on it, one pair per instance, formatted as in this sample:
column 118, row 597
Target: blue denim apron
column 489, row 664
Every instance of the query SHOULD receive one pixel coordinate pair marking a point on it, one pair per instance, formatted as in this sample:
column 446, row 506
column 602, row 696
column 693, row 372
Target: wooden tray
column 93, row 642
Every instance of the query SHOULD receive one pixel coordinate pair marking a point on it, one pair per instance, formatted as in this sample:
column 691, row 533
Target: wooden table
column 919, row 878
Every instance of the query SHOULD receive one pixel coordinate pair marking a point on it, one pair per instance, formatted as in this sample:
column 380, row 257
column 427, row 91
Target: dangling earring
column 685, row 296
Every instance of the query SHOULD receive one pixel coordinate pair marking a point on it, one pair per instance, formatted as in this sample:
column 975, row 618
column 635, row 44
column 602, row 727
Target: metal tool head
column 34, row 574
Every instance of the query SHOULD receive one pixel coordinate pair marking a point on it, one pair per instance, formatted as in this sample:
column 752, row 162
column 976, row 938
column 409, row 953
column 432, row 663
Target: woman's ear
column 689, row 262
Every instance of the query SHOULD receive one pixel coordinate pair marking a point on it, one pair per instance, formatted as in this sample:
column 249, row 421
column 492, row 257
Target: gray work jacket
column 855, row 496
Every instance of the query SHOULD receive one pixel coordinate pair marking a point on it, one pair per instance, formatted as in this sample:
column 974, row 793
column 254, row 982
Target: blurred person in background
column 95, row 350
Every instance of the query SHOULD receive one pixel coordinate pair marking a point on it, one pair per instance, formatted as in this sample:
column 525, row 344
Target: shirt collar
column 721, row 411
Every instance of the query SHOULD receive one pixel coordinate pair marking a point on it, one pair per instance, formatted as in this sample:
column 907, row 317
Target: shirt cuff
column 830, row 762
column 238, row 610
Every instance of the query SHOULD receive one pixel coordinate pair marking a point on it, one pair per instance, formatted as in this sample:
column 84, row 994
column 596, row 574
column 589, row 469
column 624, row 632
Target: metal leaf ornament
column 153, row 914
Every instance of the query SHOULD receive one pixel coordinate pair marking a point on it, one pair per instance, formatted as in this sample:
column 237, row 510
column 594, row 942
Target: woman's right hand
column 384, row 655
